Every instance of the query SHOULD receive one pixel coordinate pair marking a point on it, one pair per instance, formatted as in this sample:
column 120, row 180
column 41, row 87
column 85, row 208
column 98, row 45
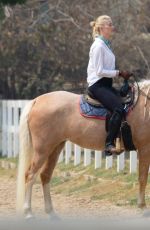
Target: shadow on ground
column 113, row 223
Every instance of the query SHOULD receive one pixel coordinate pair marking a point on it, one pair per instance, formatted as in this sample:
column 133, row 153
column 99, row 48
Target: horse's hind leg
column 46, row 175
column 31, row 174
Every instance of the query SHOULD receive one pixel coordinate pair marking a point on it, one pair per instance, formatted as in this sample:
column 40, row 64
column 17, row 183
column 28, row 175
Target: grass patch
column 9, row 173
column 80, row 189
column 11, row 159
column 58, row 180
column 132, row 201
column 65, row 167
column 120, row 189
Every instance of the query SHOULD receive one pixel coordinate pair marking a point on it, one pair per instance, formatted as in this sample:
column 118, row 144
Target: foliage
column 44, row 45
column 12, row 2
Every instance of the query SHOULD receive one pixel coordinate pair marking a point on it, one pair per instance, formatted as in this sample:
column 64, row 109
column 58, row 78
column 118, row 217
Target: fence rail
column 10, row 115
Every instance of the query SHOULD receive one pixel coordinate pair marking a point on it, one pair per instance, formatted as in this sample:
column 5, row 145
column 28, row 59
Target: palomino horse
column 51, row 119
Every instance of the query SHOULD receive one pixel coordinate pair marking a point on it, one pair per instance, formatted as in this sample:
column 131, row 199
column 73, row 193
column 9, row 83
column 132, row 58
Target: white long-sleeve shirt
column 101, row 62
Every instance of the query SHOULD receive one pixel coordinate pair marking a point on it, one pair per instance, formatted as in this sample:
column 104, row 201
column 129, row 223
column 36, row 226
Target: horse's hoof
column 29, row 217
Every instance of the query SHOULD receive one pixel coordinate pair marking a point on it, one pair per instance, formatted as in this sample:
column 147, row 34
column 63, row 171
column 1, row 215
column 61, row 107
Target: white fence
column 11, row 110
column 10, row 114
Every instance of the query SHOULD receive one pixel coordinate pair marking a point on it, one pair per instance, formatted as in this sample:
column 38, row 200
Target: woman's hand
column 125, row 74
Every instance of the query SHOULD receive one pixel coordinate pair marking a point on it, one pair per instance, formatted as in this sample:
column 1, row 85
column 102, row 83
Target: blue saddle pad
column 90, row 111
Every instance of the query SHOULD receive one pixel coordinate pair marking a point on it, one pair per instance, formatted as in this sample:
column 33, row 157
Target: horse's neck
column 141, row 111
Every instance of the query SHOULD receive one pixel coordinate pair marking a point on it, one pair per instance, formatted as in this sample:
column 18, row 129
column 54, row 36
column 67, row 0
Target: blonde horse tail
column 25, row 154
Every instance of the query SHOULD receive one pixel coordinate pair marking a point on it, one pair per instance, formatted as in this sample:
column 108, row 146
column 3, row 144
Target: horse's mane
column 144, row 84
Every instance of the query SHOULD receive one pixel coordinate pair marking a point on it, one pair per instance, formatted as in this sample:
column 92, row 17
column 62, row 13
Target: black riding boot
column 113, row 129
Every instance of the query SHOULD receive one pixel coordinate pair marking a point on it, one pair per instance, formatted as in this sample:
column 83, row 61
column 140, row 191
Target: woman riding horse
column 47, row 122
column 101, row 71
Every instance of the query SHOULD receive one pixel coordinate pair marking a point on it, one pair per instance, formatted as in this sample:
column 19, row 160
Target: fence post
column 61, row 157
column 10, row 131
column 16, row 127
column 10, row 126
column 87, row 157
column 1, row 126
column 4, row 127
column 120, row 162
column 77, row 154
column 98, row 159
column 109, row 162
column 133, row 161
column 67, row 152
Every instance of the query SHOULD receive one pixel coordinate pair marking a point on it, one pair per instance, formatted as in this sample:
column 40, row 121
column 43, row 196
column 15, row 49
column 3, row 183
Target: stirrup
column 107, row 154
column 111, row 149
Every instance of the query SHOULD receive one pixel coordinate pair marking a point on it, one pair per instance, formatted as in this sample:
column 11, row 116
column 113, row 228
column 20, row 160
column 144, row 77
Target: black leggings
column 107, row 95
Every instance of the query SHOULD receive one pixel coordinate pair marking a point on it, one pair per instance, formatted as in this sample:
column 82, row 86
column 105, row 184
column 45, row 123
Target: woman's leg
column 107, row 97
column 113, row 103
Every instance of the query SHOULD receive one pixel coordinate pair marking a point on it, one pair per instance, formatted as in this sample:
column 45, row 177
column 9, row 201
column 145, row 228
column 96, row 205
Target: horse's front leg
column 144, row 161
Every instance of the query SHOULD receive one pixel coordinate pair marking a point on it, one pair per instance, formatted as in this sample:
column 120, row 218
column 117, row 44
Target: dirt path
column 70, row 206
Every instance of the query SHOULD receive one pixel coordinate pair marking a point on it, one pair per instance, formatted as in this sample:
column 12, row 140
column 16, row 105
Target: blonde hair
column 98, row 23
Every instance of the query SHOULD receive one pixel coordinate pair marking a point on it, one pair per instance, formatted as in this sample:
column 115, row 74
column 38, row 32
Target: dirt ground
column 65, row 206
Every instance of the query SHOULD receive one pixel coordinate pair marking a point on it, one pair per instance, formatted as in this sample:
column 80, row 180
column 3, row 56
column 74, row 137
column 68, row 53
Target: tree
column 12, row 2
column 44, row 44
column 4, row 9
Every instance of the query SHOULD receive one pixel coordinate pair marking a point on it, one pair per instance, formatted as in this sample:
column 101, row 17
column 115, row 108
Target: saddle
column 128, row 95
column 126, row 92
